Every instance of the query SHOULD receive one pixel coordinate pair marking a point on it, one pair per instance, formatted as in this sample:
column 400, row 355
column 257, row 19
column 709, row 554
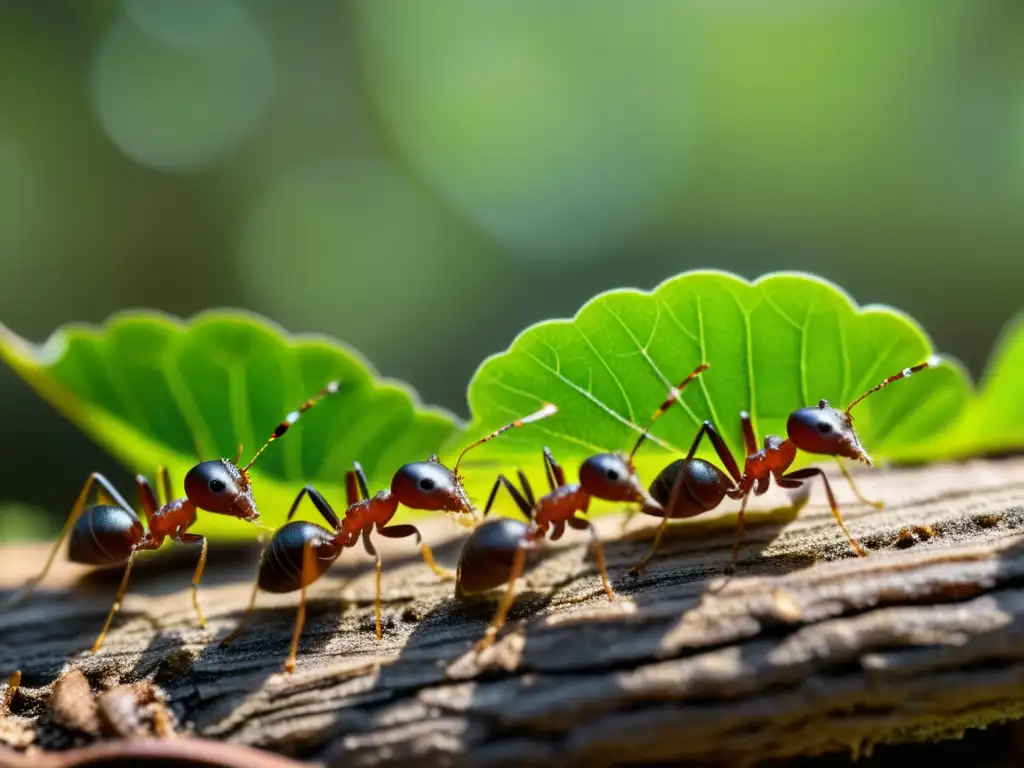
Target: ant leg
column 300, row 615
column 507, row 599
column 402, row 531
column 721, row 449
column 548, row 473
column 76, row 511
column 147, row 497
column 144, row 544
column 351, row 489
column 639, row 567
column 252, row 598
column 372, row 552
column 524, row 506
column 856, row 491
column 731, row 568
column 164, row 478
column 192, row 538
column 556, row 475
column 557, row 529
column 806, row 474
column 325, row 509
column 524, row 483
column 585, row 525
column 361, row 477
column 749, row 438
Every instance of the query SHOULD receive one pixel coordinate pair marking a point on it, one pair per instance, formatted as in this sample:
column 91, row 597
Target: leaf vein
column 593, row 399
column 665, row 380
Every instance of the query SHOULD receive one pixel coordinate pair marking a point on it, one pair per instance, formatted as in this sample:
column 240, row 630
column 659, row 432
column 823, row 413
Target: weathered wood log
column 808, row 650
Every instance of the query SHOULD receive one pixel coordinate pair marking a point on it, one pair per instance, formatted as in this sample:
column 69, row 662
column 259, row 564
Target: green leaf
column 150, row 388
column 780, row 343
column 995, row 420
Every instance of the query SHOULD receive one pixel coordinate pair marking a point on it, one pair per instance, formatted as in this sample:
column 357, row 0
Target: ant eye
column 427, row 484
column 824, row 427
column 612, row 474
column 217, row 486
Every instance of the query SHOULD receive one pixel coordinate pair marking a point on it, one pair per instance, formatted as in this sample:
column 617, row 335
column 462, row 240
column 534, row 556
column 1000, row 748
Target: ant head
column 222, row 487
column 825, row 430
column 829, row 431
column 611, row 477
column 430, row 486
column 219, row 486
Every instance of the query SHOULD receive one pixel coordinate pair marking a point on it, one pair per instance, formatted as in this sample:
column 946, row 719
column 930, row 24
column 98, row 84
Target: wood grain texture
column 807, row 650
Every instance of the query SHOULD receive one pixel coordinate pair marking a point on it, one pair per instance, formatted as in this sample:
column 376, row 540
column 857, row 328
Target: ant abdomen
column 104, row 534
column 282, row 568
column 704, row 488
column 486, row 558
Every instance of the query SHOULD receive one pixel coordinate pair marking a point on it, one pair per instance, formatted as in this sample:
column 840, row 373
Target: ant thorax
column 173, row 517
column 560, row 504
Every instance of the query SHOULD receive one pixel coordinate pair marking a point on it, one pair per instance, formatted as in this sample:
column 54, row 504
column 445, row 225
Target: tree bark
column 807, row 650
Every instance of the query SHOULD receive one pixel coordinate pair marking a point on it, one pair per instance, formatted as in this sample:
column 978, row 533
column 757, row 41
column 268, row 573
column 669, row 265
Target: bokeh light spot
column 182, row 108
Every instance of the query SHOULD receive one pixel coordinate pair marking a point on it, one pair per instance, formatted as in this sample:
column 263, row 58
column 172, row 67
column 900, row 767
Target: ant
column 690, row 486
column 606, row 476
column 110, row 534
column 300, row 552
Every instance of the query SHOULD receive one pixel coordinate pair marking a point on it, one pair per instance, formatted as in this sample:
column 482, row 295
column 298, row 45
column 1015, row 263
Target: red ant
column 691, row 486
column 606, row 476
column 300, row 551
column 111, row 534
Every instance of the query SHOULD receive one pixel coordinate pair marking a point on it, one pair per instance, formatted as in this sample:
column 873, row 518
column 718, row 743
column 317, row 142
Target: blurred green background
column 422, row 180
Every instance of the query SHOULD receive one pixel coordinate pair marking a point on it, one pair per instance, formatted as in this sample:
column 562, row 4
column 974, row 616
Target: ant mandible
column 111, row 534
column 300, row 552
column 691, row 486
column 606, row 476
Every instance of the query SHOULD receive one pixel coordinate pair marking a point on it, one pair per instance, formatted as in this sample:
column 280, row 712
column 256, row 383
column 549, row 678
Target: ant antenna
column 931, row 362
column 673, row 395
column 291, row 418
column 548, row 410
